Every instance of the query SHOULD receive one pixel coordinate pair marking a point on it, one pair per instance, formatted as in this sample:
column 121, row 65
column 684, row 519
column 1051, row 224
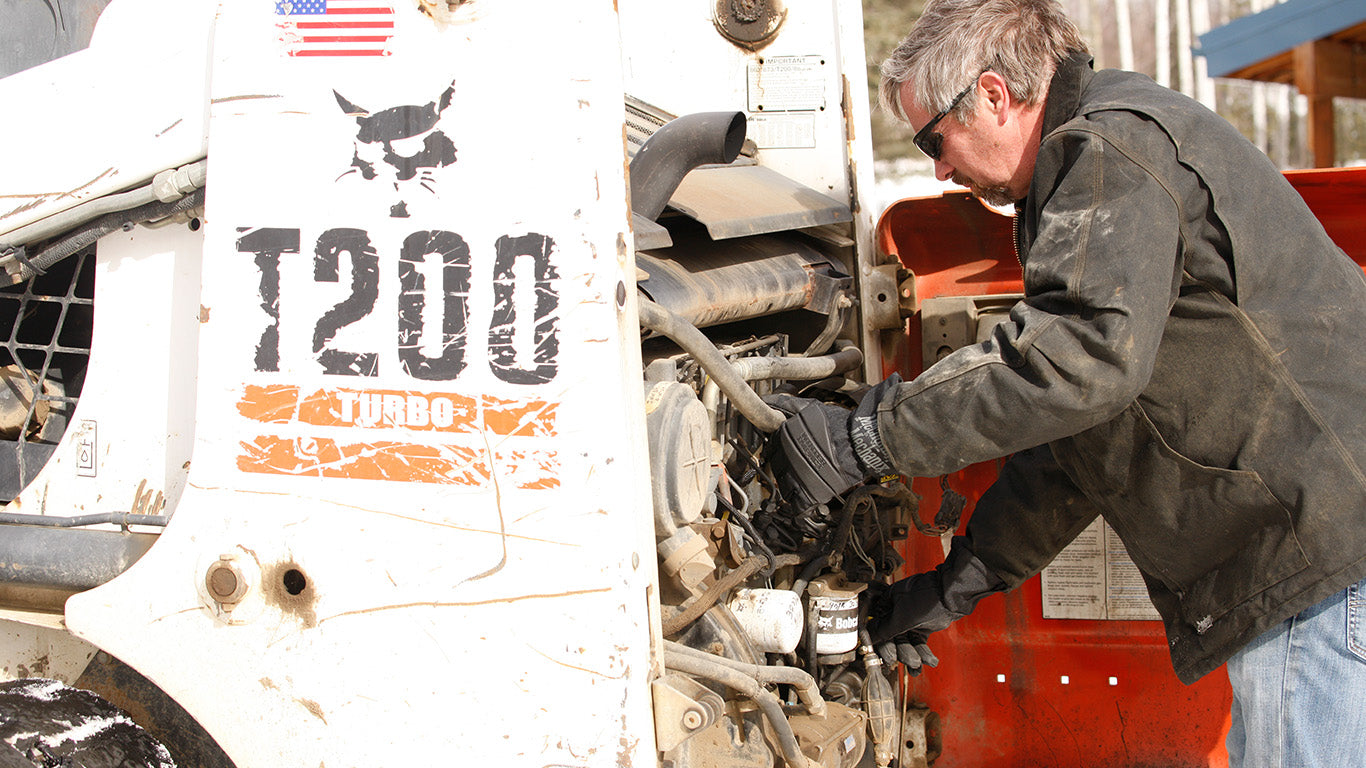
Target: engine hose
column 857, row 503
column 167, row 186
column 748, row 526
column 679, row 146
column 833, row 323
column 751, row 689
column 693, row 610
column 846, row 358
column 798, row 678
column 808, row 573
column 695, row 343
column 78, row 240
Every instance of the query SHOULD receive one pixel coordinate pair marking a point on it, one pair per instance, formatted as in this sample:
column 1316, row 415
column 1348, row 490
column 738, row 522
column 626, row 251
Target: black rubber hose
column 78, row 240
column 679, row 146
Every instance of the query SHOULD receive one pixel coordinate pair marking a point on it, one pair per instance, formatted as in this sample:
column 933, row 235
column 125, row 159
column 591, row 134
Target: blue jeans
column 1299, row 690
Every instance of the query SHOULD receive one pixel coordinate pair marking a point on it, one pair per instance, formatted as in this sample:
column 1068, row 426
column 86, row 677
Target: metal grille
column 642, row 120
column 48, row 323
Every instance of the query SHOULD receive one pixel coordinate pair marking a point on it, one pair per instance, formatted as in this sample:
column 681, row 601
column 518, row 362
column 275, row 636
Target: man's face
column 980, row 155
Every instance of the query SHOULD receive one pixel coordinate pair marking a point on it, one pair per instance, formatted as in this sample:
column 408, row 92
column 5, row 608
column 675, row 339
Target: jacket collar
column 1074, row 73
column 1070, row 79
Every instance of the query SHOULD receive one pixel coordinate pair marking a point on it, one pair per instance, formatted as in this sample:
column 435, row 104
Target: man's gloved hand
column 826, row 449
column 904, row 614
column 909, row 648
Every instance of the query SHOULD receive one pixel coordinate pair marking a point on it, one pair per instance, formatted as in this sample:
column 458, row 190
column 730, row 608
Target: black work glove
column 909, row 648
column 827, row 449
column 904, row 614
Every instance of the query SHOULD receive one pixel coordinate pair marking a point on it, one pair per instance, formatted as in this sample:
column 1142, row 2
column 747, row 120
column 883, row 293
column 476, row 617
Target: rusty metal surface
column 739, row 200
column 650, row 235
column 750, row 24
column 736, row 279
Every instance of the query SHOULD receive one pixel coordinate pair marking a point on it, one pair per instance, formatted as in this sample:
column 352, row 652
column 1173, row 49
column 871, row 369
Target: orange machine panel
column 1013, row 688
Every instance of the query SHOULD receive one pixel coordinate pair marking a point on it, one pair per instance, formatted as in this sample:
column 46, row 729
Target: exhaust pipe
column 679, row 146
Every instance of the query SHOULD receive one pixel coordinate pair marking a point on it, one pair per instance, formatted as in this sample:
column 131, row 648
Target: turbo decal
column 423, row 290
column 389, row 409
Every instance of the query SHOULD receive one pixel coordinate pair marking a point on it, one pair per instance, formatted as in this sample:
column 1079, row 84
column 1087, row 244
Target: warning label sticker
column 787, row 84
column 783, row 131
column 1094, row 578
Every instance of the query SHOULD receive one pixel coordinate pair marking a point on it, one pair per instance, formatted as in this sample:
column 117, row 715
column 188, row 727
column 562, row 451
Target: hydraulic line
column 21, row 270
column 171, row 192
column 726, row 376
column 803, row 682
column 751, row 689
column 847, row 357
column 123, row 519
column 168, row 186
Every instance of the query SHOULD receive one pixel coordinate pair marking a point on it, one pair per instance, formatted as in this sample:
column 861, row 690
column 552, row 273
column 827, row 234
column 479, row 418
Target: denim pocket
column 1356, row 619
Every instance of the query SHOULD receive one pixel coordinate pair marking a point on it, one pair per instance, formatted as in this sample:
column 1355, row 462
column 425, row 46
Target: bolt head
column 225, row 581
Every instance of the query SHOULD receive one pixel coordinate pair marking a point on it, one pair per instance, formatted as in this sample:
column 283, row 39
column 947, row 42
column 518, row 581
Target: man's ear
column 998, row 97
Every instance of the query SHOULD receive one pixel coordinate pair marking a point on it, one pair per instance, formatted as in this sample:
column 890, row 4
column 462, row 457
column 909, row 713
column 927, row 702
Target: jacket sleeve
column 1099, row 277
column 1027, row 516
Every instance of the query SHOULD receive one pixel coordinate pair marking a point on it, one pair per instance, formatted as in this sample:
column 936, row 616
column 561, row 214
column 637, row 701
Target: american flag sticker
column 335, row 27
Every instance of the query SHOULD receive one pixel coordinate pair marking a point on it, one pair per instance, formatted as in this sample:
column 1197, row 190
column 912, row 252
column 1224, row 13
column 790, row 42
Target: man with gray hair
column 1187, row 362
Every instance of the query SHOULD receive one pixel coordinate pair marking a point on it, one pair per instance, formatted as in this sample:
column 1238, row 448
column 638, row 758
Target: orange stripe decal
column 397, row 462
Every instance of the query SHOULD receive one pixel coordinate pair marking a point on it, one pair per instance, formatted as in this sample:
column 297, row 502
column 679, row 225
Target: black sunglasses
column 930, row 141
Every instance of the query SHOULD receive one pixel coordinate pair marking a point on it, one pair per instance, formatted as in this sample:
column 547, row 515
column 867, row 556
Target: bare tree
column 1184, row 65
column 1124, row 29
column 1162, row 39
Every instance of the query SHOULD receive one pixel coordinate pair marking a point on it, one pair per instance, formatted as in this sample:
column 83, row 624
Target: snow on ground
column 898, row 179
column 895, row 180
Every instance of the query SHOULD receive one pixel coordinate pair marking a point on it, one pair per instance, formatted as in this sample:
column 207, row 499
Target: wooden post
column 1323, row 70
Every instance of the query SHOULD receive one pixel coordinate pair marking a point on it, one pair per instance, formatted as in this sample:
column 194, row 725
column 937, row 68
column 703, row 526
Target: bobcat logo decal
column 400, row 145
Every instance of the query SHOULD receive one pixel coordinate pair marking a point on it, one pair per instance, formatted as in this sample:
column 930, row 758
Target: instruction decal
column 1094, row 578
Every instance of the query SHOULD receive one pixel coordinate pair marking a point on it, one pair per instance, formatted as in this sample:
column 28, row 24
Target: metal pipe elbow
column 679, row 146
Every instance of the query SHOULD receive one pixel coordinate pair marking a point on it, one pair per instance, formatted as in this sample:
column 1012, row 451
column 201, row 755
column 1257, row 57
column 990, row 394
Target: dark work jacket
column 1189, row 361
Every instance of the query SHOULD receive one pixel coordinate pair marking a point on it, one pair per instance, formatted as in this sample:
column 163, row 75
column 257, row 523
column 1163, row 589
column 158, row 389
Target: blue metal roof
column 1251, row 39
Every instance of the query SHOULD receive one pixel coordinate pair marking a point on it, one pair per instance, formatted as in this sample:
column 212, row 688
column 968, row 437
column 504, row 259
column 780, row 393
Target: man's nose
column 942, row 170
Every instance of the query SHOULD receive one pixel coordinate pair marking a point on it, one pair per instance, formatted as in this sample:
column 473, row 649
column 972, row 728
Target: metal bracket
column 683, row 707
column 889, row 296
column 948, row 323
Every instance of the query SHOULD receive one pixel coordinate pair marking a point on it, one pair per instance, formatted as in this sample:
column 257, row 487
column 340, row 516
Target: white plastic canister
column 771, row 618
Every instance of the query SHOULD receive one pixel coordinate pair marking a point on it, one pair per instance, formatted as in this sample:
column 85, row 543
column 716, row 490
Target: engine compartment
column 768, row 660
